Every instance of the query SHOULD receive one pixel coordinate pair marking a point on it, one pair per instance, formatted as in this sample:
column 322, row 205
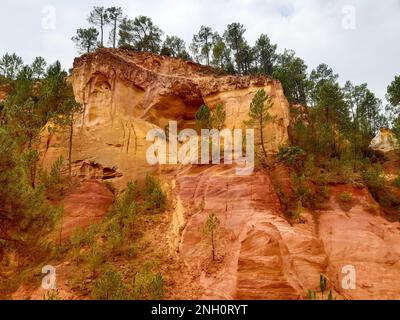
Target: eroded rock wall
column 125, row 94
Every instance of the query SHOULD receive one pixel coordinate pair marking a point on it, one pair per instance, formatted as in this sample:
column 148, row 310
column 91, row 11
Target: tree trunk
column 71, row 134
column 262, row 136
column 213, row 245
column 102, row 31
column 115, row 33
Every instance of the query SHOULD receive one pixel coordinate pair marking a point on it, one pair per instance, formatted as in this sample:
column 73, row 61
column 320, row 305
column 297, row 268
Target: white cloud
column 313, row 28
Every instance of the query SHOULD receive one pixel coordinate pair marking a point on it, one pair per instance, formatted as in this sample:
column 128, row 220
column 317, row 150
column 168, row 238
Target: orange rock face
column 261, row 256
column 85, row 206
column 125, row 94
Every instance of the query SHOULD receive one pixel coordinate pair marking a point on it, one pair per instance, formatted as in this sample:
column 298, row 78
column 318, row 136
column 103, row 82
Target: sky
column 359, row 39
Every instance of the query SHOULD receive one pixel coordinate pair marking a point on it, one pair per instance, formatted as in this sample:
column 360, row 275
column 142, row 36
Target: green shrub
column 54, row 182
column 77, row 241
column 154, row 197
column 346, row 197
column 110, row 287
column 148, row 285
column 113, row 233
column 374, row 179
column 293, row 156
column 94, row 259
column 52, row 295
column 396, row 181
column 126, row 206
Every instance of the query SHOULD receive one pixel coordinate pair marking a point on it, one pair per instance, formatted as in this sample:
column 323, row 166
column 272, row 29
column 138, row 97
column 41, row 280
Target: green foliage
column 218, row 117
column 292, row 73
column 374, row 178
column 52, row 295
column 38, row 68
column 24, row 213
column 393, row 92
column 94, row 259
column 293, row 156
column 323, row 284
column 346, row 197
column 396, row 181
column 265, row 53
column 202, row 44
column 140, row 34
column 259, row 115
column 10, row 66
column 110, row 287
column 86, row 39
column 210, row 229
column 234, row 39
column 54, row 182
column 174, row 46
column 98, row 17
column 323, row 281
column 114, row 14
column 155, row 199
column 148, row 285
column 203, row 118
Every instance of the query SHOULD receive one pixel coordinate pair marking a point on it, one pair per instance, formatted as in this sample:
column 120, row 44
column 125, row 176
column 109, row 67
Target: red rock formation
column 261, row 256
column 85, row 206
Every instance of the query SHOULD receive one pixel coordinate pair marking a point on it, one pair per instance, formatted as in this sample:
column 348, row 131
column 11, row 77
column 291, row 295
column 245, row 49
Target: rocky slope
column 260, row 255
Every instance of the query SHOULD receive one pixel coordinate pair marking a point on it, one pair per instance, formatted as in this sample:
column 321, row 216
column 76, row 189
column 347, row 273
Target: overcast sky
column 359, row 39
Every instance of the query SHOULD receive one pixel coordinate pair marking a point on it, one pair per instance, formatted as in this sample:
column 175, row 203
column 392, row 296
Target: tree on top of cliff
column 318, row 77
column 38, row 68
column 393, row 92
column 202, row 44
column 10, row 65
column 291, row 71
column 266, row 55
column 114, row 14
column 234, row 37
column 174, row 46
column 393, row 96
column 140, row 34
column 99, row 18
column 86, row 39
column 221, row 54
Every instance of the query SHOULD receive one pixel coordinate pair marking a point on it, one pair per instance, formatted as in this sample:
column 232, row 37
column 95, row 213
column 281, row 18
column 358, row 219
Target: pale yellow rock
column 385, row 141
column 125, row 94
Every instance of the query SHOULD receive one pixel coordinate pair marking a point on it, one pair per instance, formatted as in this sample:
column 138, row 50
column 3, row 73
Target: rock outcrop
column 385, row 141
column 261, row 256
column 125, row 94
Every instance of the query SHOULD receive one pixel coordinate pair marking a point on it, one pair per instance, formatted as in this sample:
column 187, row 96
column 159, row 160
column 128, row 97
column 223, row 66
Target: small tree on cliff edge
column 210, row 228
column 86, row 39
column 259, row 114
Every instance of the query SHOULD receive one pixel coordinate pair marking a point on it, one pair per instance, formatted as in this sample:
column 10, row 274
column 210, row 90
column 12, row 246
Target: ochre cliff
column 125, row 94
column 260, row 255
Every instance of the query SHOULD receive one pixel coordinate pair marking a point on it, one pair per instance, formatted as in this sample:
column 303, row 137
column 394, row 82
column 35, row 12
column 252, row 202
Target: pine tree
column 38, row 68
column 202, row 43
column 114, row 15
column 99, row 18
column 86, row 39
column 210, row 229
column 259, row 115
